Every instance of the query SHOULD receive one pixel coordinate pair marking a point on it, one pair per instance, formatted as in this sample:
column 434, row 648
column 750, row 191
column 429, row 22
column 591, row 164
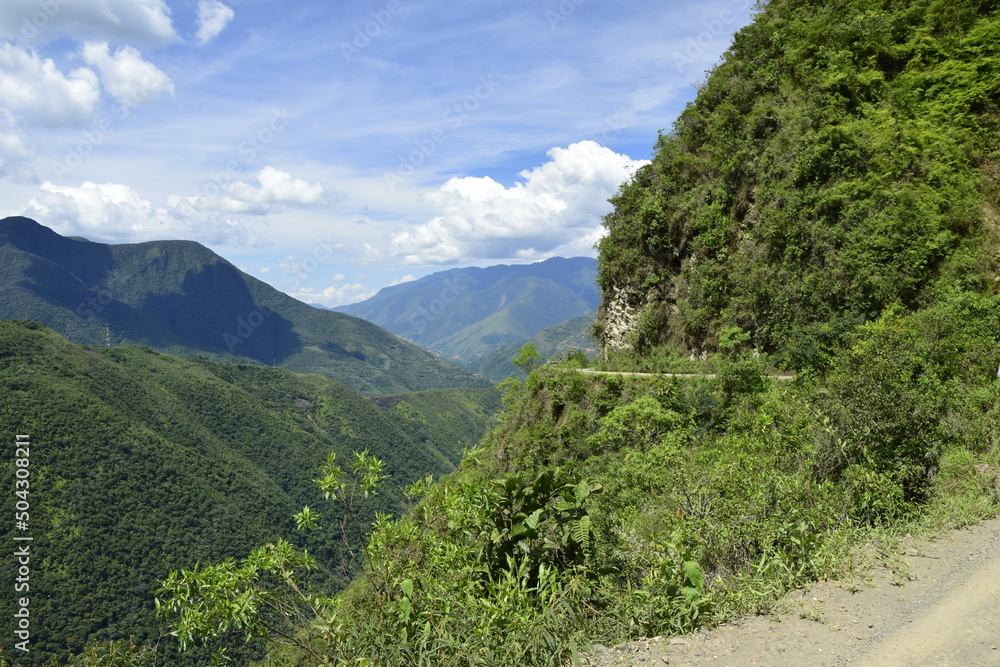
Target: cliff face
column 618, row 318
column 839, row 161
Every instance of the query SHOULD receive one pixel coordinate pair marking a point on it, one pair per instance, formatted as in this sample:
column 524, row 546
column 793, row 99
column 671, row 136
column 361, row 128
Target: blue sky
column 334, row 148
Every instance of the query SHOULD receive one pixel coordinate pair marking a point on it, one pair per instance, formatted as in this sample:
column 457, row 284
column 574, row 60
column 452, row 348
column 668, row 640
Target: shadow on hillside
column 216, row 310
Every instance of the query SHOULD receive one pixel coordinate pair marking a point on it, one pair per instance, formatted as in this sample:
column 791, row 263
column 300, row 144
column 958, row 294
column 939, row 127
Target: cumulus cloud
column 35, row 87
column 333, row 296
column 131, row 21
column 556, row 208
column 213, row 17
column 115, row 213
column 278, row 187
column 275, row 188
column 125, row 75
column 370, row 254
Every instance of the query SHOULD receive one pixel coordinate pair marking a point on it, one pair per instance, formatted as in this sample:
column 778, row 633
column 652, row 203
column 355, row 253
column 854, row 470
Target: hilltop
column 842, row 159
column 828, row 205
column 181, row 298
column 467, row 313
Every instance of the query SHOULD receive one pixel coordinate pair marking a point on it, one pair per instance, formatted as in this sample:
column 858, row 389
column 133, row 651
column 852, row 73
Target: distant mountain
column 142, row 462
column 569, row 336
column 182, row 298
column 469, row 312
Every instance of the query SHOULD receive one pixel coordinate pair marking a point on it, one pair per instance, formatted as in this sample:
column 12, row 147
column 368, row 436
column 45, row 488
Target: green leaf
column 532, row 521
column 581, row 531
column 692, row 572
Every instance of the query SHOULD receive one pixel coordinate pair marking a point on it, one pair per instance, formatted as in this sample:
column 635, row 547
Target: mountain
column 141, row 462
column 828, row 203
column 180, row 297
column 840, row 161
column 466, row 313
column 550, row 342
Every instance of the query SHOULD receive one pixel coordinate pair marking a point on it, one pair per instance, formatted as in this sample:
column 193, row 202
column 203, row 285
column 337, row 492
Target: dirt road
column 941, row 606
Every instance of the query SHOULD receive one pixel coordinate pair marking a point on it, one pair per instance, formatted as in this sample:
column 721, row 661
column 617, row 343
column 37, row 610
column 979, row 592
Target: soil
column 938, row 605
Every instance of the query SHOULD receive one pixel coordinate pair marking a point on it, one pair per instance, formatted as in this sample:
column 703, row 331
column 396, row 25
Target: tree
column 527, row 358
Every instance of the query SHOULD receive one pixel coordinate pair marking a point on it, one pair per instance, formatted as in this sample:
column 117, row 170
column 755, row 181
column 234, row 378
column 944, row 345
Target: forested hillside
column 842, row 159
column 551, row 342
column 180, row 297
column 467, row 313
column 141, row 463
column 828, row 204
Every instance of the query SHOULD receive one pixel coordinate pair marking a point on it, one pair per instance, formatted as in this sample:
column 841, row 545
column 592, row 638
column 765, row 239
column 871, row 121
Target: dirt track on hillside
column 942, row 607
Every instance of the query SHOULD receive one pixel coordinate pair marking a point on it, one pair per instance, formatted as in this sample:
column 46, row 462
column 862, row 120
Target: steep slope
column 838, row 166
column 465, row 313
column 569, row 336
column 840, row 161
column 141, row 463
column 181, row 298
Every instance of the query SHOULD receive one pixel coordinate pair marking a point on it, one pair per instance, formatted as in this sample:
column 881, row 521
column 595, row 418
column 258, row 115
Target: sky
column 334, row 147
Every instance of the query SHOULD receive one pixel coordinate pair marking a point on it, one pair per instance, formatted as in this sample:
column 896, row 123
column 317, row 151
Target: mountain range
column 469, row 312
column 180, row 297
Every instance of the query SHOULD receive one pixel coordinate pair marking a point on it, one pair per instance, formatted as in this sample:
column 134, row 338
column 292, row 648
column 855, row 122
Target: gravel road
column 941, row 608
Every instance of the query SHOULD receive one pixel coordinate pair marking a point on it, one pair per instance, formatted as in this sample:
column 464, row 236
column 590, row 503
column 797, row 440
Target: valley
column 768, row 399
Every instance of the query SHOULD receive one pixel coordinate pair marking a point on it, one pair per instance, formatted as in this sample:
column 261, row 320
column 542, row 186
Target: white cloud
column 370, row 255
column 333, row 296
column 405, row 279
column 132, row 21
column 276, row 188
column 558, row 205
column 115, row 213
column 17, row 155
column 213, row 17
column 125, row 75
column 34, row 87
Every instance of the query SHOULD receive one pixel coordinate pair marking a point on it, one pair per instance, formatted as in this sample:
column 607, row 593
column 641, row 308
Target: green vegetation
column 827, row 205
column 553, row 342
column 527, row 359
column 603, row 508
column 142, row 463
column 467, row 313
column 841, row 160
column 181, row 298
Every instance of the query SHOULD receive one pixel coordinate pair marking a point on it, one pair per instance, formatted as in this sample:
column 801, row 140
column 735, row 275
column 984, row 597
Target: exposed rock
column 621, row 308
